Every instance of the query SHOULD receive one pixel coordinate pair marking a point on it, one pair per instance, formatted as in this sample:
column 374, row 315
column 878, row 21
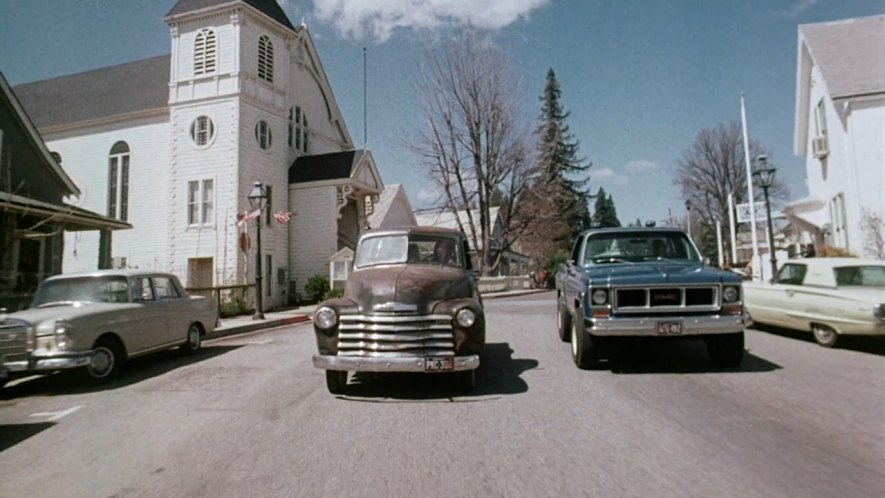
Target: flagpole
column 755, row 262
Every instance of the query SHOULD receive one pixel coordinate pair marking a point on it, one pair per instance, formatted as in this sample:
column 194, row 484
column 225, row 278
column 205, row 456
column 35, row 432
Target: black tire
column 465, row 380
column 563, row 323
column 107, row 359
column 336, row 381
column 825, row 336
column 194, row 339
column 726, row 350
column 585, row 352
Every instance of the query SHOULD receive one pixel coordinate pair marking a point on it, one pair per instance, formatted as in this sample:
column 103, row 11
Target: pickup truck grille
column 664, row 299
column 396, row 335
column 13, row 340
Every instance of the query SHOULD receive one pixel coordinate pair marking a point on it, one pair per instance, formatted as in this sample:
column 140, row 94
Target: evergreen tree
column 605, row 214
column 559, row 201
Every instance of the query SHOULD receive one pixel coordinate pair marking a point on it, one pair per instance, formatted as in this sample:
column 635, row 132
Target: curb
column 258, row 325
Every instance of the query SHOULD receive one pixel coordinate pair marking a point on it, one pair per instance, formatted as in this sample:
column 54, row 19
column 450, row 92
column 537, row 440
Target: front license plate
column 669, row 328
column 439, row 364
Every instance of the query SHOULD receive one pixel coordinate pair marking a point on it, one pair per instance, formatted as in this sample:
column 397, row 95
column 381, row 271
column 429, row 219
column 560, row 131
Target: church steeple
column 269, row 8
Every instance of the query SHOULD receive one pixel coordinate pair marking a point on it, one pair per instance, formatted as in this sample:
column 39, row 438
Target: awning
column 72, row 218
column 806, row 211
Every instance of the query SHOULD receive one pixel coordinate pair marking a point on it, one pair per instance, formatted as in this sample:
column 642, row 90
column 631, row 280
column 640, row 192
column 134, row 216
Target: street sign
column 743, row 212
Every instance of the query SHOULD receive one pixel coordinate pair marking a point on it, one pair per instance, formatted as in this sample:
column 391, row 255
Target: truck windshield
column 400, row 249
column 624, row 247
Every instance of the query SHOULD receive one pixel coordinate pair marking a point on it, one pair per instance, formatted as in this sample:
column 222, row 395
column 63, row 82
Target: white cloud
column 636, row 167
column 379, row 18
column 799, row 7
column 607, row 175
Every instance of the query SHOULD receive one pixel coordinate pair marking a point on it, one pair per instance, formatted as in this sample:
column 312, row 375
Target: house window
column 200, row 202
column 820, row 119
column 268, row 204
column 291, row 126
column 300, row 130
column 118, row 181
column 262, row 134
column 202, row 131
column 268, row 273
column 265, row 59
column 839, row 219
column 205, row 52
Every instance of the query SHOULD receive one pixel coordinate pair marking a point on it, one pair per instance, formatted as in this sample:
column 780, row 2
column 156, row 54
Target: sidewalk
column 288, row 316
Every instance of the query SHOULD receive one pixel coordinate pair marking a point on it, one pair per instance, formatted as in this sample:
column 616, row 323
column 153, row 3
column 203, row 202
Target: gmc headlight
column 600, row 296
column 730, row 294
column 879, row 311
column 465, row 317
column 325, row 318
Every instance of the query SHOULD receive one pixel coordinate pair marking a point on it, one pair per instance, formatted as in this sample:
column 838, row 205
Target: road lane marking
column 53, row 416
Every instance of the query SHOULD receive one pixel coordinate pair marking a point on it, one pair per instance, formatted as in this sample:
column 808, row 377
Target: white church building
column 173, row 144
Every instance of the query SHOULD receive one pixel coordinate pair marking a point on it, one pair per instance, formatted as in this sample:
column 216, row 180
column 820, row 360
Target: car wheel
column 825, row 336
column 336, row 381
column 465, row 380
column 107, row 358
column 726, row 350
column 563, row 323
column 585, row 352
column 194, row 339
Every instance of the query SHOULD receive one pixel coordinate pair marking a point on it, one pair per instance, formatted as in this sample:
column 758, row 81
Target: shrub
column 316, row 288
column 834, row 252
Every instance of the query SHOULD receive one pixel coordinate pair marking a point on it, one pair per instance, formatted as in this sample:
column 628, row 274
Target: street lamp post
column 764, row 177
column 257, row 197
column 688, row 216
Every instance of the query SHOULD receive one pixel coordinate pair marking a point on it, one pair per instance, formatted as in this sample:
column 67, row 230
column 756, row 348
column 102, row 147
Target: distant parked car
column 829, row 297
column 97, row 320
column 411, row 304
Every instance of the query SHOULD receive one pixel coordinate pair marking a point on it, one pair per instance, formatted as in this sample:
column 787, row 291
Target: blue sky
column 640, row 78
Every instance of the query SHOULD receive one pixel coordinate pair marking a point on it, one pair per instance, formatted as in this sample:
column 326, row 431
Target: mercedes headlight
column 730, row 294
column 465, row 317
column 325, row 318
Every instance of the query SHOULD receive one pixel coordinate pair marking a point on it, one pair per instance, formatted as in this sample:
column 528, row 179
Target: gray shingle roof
column 269, row 7
column 850, row 54
column 100, row 93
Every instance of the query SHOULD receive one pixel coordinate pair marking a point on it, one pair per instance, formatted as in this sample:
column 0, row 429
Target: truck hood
column 658, row 273
column 71, row 311
column 406, row 288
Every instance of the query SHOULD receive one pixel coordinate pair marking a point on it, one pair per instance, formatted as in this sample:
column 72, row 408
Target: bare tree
column 873, row 228
column 712, row 168
column 474, row 143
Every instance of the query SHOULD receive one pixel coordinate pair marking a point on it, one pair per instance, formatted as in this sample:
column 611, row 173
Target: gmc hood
column 658, row 273
column 406, row 287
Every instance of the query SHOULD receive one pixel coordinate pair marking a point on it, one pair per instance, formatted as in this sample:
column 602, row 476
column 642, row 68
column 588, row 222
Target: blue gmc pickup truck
column 651, row 283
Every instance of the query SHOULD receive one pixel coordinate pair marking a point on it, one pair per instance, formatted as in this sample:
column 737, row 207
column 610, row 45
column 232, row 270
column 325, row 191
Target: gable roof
column 386, row 201
column 269, row 7
column 849, row 53
column 129, row 88
column 350, row 166
column 459, row 221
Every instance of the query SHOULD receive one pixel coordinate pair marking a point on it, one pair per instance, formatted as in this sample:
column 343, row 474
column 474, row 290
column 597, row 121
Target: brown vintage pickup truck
column 411, row 304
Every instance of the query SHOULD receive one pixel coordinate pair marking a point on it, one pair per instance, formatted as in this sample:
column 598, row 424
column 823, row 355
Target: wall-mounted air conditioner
column 820, row 147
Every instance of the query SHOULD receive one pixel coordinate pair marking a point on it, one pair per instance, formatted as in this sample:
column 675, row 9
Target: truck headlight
column 325, row 318
column 600, row 296
column 465, row 317
column 730, row 294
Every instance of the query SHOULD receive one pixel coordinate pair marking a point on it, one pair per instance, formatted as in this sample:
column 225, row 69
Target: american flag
column 282, row 216
column 248, row 216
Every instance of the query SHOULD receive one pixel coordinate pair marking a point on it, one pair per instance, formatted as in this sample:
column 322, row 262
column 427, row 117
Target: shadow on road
column 862, row 344
column 12, row 434
column 498, row 374
column 678, row 357
column 134, row 371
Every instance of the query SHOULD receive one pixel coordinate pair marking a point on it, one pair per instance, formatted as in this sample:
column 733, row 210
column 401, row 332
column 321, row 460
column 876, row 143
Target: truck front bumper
column 649, row 327
column 408, row 364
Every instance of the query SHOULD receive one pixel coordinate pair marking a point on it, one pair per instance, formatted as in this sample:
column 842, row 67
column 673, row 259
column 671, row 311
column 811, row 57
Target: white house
column 840, row 129
column 173, row 144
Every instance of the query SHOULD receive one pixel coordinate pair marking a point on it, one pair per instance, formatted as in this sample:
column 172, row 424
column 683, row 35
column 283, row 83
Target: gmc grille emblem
column 666, row 296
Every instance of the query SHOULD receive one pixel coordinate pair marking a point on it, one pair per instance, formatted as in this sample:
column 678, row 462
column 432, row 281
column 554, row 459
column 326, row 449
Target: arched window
column 265, row 59
column 118, row 181
column 202, row 131
column 262, row 134
column 205, row 52
column 301, row 132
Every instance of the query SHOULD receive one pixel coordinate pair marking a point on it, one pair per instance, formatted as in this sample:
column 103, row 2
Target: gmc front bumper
column 648, row 326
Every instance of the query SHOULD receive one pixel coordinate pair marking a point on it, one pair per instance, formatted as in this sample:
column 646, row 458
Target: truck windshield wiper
column 610, row 260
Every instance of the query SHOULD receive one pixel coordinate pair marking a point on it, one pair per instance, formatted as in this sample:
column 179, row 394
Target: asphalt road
column 250, row 416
